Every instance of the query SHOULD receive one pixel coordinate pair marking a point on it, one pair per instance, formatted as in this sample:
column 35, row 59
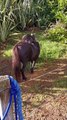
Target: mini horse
column 25, row 51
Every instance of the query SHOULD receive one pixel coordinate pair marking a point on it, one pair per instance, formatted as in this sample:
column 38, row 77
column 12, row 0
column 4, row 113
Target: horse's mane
column 29, row 37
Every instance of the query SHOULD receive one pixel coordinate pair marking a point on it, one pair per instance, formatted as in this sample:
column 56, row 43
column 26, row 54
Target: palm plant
column 7, row 24
column 6, row 27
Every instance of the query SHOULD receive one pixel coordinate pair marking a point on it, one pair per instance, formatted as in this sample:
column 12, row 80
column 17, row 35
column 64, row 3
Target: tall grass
column 51, row 50
column 6, row 27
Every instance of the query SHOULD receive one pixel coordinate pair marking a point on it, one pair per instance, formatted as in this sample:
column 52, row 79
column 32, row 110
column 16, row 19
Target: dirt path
column 41, row 100
column 45, row 92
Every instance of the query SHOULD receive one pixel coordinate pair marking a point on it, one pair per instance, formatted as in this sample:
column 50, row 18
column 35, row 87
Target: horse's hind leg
column 32, row 66
column 22, row 71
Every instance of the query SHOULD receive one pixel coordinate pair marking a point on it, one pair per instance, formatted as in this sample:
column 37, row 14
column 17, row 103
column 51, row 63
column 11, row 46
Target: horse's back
column 25, row 52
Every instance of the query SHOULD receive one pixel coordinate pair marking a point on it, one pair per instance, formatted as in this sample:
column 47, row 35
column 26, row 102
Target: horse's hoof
column 24, row 78
column 31, row 71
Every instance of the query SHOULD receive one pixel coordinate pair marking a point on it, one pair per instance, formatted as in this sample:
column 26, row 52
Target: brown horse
column 25, row 51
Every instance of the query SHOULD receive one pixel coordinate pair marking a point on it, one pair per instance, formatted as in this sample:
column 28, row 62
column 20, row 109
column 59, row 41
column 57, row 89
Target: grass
column 8, row 52
column 61, row 83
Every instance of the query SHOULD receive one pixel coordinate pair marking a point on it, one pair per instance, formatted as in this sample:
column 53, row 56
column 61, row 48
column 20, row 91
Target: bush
column 57, row 33
column 51, row 50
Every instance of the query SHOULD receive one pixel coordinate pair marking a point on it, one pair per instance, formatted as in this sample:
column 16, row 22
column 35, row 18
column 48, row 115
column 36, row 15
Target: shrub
column 57, row 33
column 51, row 50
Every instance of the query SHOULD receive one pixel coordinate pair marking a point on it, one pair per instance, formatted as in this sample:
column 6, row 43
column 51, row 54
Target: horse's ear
column 33, row 36
column 23, row 37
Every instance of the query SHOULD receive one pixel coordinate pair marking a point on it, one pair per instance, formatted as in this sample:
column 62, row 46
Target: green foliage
column 7, row 53
column 46, row 13
column 4, row 29
column 62, row 16
column 61, row 83
column 18, row 15
column 6, row 22
column 21, row 14
column 51, row 50
column 57, row 33
column 61, row 13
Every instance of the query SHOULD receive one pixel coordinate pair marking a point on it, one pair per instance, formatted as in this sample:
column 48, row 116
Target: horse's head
column 29, row 38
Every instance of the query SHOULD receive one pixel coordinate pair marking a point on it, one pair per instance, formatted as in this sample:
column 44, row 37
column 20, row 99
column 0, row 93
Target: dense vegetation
column 47, row 15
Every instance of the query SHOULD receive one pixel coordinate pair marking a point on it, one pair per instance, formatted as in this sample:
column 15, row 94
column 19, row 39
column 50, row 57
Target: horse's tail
column 15, row 57
column 16, row 63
